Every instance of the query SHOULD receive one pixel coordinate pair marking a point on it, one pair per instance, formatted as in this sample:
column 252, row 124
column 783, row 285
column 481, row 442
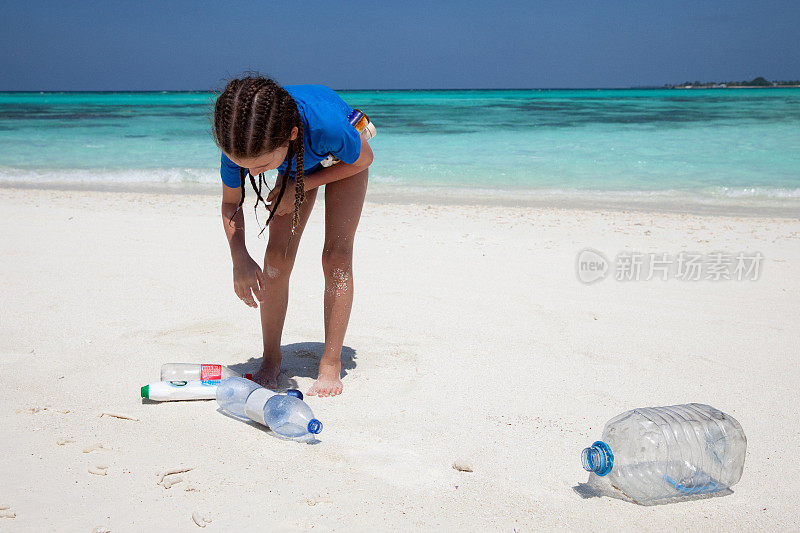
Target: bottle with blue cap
column 285, row 414
column 363, row 126
column 660, row 454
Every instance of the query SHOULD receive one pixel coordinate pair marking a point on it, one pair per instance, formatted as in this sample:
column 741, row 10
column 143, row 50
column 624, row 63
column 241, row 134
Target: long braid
column 299, row 187
column 284, row 179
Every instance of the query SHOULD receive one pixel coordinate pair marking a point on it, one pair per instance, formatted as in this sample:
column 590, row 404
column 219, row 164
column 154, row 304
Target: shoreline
column 388, row 194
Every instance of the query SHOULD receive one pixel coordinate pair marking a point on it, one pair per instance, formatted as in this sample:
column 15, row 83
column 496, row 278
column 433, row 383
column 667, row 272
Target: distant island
column 756, row 83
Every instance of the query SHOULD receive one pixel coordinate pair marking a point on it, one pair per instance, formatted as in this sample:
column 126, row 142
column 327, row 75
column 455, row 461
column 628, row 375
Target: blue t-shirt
column 325, row 130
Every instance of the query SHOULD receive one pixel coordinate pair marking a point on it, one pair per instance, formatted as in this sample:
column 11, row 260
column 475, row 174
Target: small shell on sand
column 171, row 481
column 191, row 487
column 200, row 519
column 6, row 513
column 99, row 470
column 101, row 529
column 93, row 447
column 62, row 442
column 118, row 415
column 462, row 466
column 170, row 471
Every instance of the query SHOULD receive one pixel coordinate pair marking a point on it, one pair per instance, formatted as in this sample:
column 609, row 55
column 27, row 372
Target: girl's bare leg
column 344, row 200
column 278, row 263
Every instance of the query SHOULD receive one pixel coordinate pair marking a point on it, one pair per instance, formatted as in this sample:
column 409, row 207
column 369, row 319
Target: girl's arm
column 340, row 170
column 233, row 221
column 248, row 280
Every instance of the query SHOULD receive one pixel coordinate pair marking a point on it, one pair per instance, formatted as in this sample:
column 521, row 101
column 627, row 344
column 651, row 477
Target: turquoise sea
column 724, row 146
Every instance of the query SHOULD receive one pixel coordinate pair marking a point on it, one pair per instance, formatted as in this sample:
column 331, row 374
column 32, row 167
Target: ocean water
column 727, row 146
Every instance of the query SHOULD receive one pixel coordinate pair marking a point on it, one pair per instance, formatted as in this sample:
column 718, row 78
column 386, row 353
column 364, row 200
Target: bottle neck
column 598, row 458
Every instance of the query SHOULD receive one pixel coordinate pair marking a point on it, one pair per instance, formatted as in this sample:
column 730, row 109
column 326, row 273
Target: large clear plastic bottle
column 290, row 417
column 656, row 454
column 287, row 415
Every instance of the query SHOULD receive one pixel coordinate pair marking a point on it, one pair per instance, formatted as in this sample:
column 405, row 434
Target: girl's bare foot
column 267, row 375
column 328, row 382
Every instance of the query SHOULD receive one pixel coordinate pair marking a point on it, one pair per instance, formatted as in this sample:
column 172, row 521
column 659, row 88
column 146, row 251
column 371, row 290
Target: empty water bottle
column 656, row 454
column 287, row 415
column 232, row 394
column 192, row 371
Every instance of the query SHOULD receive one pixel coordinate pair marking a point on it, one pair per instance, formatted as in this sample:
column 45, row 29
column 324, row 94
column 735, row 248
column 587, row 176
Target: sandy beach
column 471, row 339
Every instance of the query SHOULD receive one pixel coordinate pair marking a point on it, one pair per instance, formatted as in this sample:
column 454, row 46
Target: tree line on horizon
column 756, row 82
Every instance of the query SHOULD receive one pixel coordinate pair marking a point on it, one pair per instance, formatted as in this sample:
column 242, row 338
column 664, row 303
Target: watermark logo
column 593, row 266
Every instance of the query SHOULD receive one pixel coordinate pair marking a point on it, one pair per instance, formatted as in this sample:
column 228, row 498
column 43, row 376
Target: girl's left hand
column 287, row 202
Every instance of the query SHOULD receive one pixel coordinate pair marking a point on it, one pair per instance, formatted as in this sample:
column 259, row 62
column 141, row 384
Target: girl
column 259, row 126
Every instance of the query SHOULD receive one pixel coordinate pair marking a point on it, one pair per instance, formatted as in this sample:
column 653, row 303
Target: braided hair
column 253, row 116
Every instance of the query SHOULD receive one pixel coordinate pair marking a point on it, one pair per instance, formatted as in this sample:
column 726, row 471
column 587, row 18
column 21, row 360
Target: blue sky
column 144, row 45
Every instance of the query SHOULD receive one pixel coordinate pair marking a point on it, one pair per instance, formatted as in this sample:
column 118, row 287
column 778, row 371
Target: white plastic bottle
column 287, row 415
column 657, row 454
column 201, row 371
column 167, row 391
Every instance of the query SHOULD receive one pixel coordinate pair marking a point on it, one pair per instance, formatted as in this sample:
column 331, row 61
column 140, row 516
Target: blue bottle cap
column 294, row 392
column 314, row 426
column 598, row 458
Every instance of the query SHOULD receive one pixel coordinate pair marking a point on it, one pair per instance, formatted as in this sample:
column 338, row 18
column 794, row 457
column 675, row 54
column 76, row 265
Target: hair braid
column 262, row 113
column 243, row 119
column 253, row 106
column 299, row 188
column 223, row 114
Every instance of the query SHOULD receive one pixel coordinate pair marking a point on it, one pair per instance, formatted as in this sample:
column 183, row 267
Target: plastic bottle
column 201, row 371
column 656, row 454
column 167, row 391
column 362, row 124
column 287, row 415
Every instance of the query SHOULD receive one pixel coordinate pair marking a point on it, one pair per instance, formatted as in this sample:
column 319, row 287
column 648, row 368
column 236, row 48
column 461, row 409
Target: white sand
column 471, row 340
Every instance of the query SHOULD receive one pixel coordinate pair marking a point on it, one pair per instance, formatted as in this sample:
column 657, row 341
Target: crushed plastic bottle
column 287, row 415
column 658, row 454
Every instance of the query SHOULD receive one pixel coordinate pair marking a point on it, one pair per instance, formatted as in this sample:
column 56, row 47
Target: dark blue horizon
column 196, row 46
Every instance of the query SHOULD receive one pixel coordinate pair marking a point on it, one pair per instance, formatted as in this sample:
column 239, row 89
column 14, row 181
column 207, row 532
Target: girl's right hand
column 248, row 280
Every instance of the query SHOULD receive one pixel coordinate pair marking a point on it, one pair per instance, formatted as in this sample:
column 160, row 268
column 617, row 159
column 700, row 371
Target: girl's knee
column 337, row 259
column 276, row 263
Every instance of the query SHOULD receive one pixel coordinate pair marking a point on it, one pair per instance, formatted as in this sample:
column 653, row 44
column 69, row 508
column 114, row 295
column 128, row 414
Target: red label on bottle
column 209, row 372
